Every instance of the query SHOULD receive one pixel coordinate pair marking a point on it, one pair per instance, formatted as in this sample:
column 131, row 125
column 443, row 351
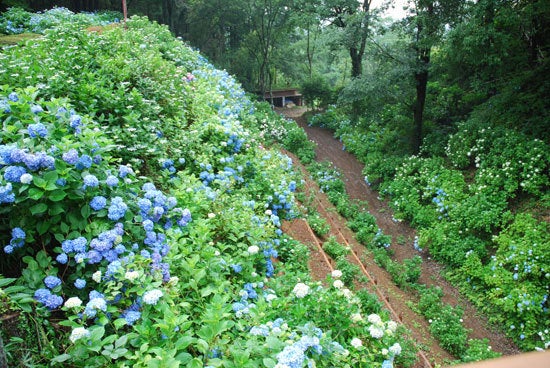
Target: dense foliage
column 141, row 212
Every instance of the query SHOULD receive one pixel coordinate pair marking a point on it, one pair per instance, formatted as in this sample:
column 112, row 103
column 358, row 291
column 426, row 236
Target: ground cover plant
column 140, row 213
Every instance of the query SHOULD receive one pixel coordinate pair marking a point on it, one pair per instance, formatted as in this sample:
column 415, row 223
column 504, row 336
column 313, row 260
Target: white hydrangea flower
column 131, row 275
column 300, row 290
column 336, row 274
column 376, row 332
column 270, row 297
column 96, row 276
column 253, row 249
column 356, row 317
column 338, row 284
column 26, row 178
column 79, row 333
column 374, row 319
column 395, row 349
column 151, row 297
column 73, row 302
column 356, row 342
column 384, row 351
column 392, row 326
column 347, row 293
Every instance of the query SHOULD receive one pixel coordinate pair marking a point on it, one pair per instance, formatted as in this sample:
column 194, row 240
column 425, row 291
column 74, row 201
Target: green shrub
column 334, row 249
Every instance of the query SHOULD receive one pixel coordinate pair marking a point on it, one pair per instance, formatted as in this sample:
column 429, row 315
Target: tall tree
column 352, row 17
column 427, row 24
column 269, row 22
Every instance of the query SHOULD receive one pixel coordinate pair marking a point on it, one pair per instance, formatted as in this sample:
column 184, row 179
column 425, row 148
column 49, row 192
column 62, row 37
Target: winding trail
column 330, row 149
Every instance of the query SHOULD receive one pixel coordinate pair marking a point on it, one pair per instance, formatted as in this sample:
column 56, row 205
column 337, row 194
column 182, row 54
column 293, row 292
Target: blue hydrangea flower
column 79, row 244
column 124, row 170
column 84, row 162
column 32, row 161
column 41, row 295
column 37, row 130
column 79, row 257
column 13, row 173
column 117, row 209
column 52, row 282
column 62, row 258
column 5, row 106
column 18, row 233
column 167, row 163
column 61, row 182
column 291, row 356
column 6, row 195
column 16, row 156
column 80, row 283
column 98, row 203
column 70, row 157
column 148, row 187
column 75, row 122
column 94, row 305
column 53, row 302
column 67, row 246
column 185, row 217
column 111, row 181
column 131, row 316
column 8, row 249
column 94, row 256
column 90, row 181
column 144, row 205
column 148, row 225
column 35, row 109
column 13, row 97
column 237, row 268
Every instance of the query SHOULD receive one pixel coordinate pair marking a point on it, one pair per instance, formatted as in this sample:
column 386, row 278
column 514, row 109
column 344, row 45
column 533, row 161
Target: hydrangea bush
column 141, row 215
column 468, row 206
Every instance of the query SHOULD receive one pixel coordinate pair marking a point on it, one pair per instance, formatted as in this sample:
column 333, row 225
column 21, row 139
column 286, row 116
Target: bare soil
column 396, row 299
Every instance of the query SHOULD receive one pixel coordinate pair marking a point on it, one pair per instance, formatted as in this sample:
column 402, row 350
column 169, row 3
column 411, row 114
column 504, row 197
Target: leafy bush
column 317, row 92
column 334, row 249
column 318, row 224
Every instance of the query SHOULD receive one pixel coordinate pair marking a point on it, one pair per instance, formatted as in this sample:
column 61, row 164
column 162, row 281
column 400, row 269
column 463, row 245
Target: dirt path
column 330, row 149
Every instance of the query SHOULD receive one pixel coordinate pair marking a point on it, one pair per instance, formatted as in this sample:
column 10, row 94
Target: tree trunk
column 356, row 62
column 421, row 77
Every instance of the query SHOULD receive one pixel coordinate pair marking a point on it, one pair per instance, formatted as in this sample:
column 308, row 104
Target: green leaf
column 39, row 182
column 183, row 342
column 61, row 358
column 56, row 209
column 51, row 176
column 43, row 227
column 57, row 195
column 195, row 363
column 7, row 281
column 64, row 227
column 119, row 323
column 85, row 211
column 38, row 209
column 121, row 341
column 35, row 193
